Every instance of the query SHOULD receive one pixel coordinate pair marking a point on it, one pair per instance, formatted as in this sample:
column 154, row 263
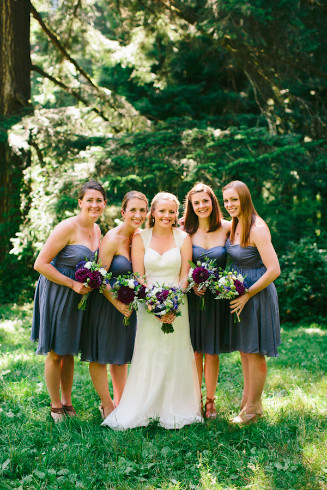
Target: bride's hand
column 169, row 318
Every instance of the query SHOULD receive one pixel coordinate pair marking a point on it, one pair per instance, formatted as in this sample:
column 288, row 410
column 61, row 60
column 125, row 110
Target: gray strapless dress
column 209, row 328
column 57, row 321
column 105, row 339
column 259, row 328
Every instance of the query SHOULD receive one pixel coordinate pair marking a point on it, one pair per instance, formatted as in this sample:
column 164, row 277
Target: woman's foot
column 57, row 414
column 210, row 409
column 69, row 410
column 105, row 411
column 245, row 418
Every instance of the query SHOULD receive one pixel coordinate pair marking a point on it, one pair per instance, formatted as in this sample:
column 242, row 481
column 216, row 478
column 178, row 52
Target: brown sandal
column 57, row 414
column 210, row 409
column 69, row 410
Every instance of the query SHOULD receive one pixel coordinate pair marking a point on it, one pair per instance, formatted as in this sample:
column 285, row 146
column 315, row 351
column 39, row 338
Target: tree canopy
column 158, row 95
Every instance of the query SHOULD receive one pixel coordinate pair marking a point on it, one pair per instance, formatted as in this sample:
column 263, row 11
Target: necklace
column 204, row 233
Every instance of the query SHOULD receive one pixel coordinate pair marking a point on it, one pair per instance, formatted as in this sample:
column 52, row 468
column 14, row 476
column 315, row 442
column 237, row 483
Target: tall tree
column 14, row 99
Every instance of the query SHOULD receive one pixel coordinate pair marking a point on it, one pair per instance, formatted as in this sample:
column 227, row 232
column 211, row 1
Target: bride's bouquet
column 202, row 274
column 229, row 285
column 161, row 300
column 93, row 275
column 129, row 291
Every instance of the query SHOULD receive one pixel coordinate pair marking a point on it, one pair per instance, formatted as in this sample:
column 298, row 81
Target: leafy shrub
column 301, row 285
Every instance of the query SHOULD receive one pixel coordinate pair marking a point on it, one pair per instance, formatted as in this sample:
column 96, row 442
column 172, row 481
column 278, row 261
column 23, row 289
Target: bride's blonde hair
column 161, row 196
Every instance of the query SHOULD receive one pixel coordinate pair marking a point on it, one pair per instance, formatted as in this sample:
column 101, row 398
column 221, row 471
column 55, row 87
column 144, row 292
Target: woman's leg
column 255, row 374
column 211, row 369
column 245, row 368
column 118, row 377
column 257, row 378
column 66, row 379
column 52, row 370
column 99, row 376
column 199, row 366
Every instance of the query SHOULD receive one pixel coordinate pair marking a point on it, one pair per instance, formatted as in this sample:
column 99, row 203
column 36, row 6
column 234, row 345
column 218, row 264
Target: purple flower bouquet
column 229, row 285
column 128, row 291
column 202, row 274
column 161, row 300
column 92, row 274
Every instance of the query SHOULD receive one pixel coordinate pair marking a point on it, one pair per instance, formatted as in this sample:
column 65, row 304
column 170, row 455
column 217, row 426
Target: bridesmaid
column 257, row 334
column 105, row 339
column 57, row 321
column 203, row 221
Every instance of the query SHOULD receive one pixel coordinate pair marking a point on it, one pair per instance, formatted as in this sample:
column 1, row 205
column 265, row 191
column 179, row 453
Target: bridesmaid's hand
column 79, row 288
column 123, row 309
column 237, row 305
column 169, row 318
column 199, row 292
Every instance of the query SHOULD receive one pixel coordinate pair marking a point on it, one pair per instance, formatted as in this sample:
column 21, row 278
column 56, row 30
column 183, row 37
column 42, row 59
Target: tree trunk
column 15, row 61
column 15, row 65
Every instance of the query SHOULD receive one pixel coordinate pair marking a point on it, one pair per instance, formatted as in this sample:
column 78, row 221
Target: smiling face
column 232, row 202
column 165, row 213
column 202, row 204
column 135, row 212
column 92, row 204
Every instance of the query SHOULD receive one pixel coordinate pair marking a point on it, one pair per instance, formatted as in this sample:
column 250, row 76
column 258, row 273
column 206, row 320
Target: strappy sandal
column 69, row 410
column 57, row 414
column 245, row 418
column 210, row 409
column 101, row 408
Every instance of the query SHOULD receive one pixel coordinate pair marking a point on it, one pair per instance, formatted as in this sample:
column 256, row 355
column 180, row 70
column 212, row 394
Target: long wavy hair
column 191, row 222
column 247, row 214
column 161, row 196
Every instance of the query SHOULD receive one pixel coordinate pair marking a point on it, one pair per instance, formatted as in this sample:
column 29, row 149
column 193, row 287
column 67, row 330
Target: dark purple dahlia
column 82, row 274
column 240, row 288
column 95, row 280
column 200, row 274
column 125, row 295
column 141, row 292
column 163, row 295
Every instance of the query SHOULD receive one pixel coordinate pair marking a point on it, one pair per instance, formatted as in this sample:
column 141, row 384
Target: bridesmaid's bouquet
column 161, row 300
column 202, row 274
column 92, row 274
column 129, row 291
column 229, row 286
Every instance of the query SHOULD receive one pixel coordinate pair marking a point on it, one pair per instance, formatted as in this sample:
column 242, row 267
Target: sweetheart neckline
column 172, row 248
column 211, row 248
column 80, row 245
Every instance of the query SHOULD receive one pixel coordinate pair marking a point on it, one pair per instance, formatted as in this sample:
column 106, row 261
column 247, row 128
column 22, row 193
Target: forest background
column 158, row 95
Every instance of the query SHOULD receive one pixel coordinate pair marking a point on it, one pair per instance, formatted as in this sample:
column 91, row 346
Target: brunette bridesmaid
column 203, row 221
column 105, row 339
column 57, row 321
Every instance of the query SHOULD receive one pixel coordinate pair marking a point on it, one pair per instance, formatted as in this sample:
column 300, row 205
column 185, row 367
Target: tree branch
column 56, row 41
column 69, row 90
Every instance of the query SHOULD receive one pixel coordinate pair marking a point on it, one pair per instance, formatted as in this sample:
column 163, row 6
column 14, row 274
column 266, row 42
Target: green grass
column 284, row 450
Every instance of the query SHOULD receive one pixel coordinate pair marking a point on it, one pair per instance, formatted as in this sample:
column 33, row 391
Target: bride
column 162, row 382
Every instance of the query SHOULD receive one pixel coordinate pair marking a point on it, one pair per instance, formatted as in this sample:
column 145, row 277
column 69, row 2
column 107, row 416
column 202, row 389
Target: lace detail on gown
column 162, row 382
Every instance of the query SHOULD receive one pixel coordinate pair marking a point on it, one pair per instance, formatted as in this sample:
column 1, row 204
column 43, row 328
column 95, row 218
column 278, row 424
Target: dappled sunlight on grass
column 285, row 449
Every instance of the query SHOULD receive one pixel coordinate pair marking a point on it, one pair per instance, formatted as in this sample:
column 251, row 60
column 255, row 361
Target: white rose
column 103, row 271
column 131, row 284
column 88, row 265
column 240, row 278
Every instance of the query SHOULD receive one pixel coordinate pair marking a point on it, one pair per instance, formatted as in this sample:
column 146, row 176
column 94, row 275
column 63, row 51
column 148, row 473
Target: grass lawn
column 286, row 449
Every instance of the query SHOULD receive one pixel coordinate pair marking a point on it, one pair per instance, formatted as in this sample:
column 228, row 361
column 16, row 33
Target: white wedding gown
column 162, row 383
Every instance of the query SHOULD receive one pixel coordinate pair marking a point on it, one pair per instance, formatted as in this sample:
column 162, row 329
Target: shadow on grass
column 285, row 449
